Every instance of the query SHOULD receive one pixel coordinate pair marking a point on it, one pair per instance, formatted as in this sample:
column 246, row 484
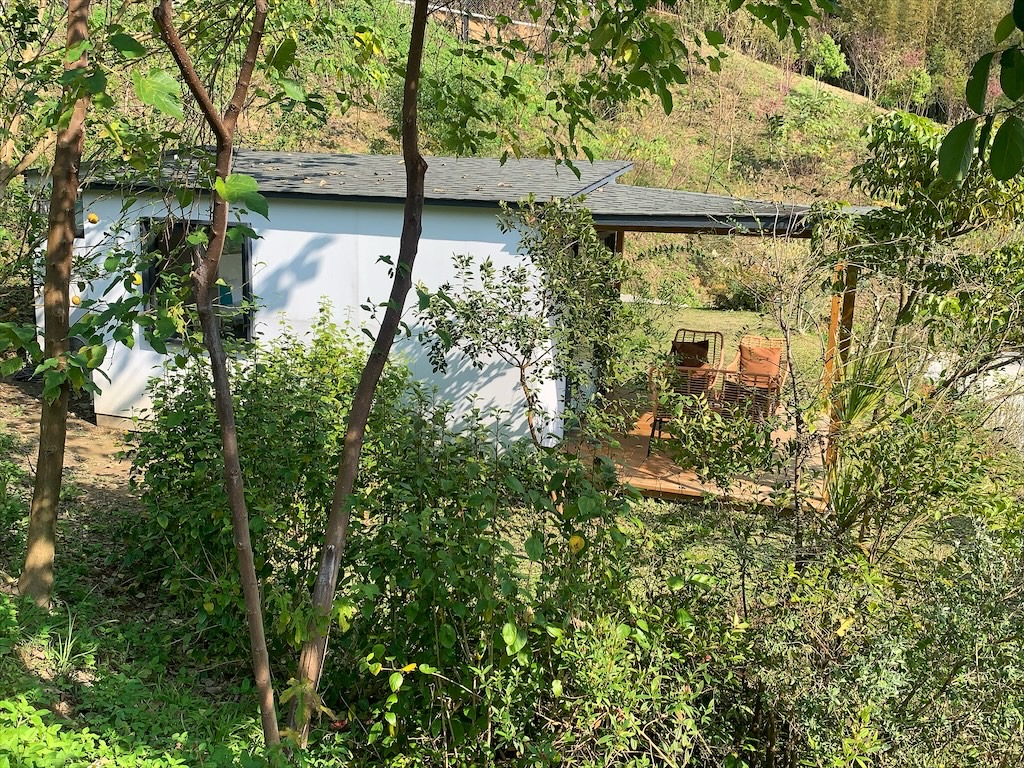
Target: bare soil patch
column 92, row 451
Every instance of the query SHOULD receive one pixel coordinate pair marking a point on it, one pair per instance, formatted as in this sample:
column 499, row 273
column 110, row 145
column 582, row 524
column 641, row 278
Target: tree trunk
column 311, row 659
column 204, row 279
column 37, row 575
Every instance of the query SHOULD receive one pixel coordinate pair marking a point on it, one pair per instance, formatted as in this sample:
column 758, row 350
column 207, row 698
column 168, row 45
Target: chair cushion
column 692, row 354
column 764, row 361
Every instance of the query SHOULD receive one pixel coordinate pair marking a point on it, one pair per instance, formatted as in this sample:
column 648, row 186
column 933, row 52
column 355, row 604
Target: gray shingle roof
column 486, row 182
column 470, row 180
column 620, row 206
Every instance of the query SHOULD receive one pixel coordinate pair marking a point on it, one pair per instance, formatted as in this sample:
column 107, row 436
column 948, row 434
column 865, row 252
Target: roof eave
column 754, row 226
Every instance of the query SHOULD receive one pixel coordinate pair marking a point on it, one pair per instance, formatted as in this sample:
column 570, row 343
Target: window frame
column 151, row 274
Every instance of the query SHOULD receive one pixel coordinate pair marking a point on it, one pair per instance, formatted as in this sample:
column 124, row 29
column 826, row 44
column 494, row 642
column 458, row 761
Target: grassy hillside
column 750, row 130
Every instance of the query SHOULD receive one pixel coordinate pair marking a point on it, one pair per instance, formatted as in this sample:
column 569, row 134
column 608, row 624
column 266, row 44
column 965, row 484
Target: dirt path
column 91, row 450
column 95, row 497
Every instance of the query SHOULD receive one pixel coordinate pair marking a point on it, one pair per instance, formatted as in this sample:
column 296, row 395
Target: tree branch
column 163, row 15
column 252, row 49
column 9, row 172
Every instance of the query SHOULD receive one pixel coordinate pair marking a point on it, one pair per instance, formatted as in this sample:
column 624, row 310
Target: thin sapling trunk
column 204, row 278
column 311, row 659
column 36, row 579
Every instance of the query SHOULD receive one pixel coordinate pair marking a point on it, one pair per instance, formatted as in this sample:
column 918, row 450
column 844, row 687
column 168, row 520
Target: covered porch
column 620, row 209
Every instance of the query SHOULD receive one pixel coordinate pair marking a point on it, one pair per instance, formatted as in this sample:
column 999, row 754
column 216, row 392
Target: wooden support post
column 840, row 338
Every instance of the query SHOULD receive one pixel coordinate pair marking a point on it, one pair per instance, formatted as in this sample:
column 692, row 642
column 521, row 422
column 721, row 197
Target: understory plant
column 556, row 318
column 292, row 394
column 501, row 604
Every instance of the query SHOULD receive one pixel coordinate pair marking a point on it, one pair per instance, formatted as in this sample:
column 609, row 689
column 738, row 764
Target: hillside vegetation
column 750, row 130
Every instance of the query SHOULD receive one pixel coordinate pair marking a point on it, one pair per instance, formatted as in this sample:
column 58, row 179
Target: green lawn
column 807, row 348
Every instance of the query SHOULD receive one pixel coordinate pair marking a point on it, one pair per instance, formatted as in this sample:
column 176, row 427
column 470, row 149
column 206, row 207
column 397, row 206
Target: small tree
column 36, row 579
column 551, row 318
column 827, row 59
column 228, row 187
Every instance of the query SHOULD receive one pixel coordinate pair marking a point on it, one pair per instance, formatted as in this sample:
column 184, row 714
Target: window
column 173, row 248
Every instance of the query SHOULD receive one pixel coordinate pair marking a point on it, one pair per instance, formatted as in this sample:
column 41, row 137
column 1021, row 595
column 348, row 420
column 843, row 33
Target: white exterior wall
column 311, row 249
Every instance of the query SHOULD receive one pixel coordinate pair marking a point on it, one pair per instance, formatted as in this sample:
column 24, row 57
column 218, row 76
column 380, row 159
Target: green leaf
column 242, row 189
column 600, row 38
column 423, row 295
column 508, row 633
column 446, row 635
column 556, row 688
column 1011, row 73
column 395, row 681
column 158, row 89
column 282, row 57
column 127, row 45
column 957, row 151
column 715, row 37
column 1007, row 156
column 977, row 83
column 391, row 719
column 52, row 383
column 518, row 646
column 985, row 136
column 235, row 186
column 198, row 237
column 535, row 546
column 666, row 99
column 74, row 53
column 1004, row 28
column 1018, row 13
column 293, row 90
column 239, row 232
column 96, row 82
column 9, row 366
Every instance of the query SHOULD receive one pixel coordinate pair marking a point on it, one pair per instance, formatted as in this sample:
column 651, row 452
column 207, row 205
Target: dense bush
column 513, row 605
column 291, row 400
column 468, row 569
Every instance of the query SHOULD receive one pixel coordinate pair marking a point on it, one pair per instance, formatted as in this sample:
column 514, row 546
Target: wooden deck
column 656, row 476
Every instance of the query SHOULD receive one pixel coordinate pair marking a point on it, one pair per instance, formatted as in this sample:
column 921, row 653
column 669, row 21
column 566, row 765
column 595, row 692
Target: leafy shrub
column 291, row 402
column 911, row 89
column 12, row 506
column 29, row 739
column 827, row 58
column 8, row 624
column 466, row 569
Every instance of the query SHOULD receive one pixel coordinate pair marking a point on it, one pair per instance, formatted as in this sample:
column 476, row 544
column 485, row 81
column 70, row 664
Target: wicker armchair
column 692, row 371
column 752, row 383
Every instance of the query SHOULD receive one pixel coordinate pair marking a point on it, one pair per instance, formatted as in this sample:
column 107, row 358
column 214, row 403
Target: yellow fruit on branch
column 76, row 300
column 93, row 218
column 576, row 543
column 136, row 279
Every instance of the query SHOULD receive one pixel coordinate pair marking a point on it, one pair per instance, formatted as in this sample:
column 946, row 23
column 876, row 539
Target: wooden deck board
column 656, row 476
